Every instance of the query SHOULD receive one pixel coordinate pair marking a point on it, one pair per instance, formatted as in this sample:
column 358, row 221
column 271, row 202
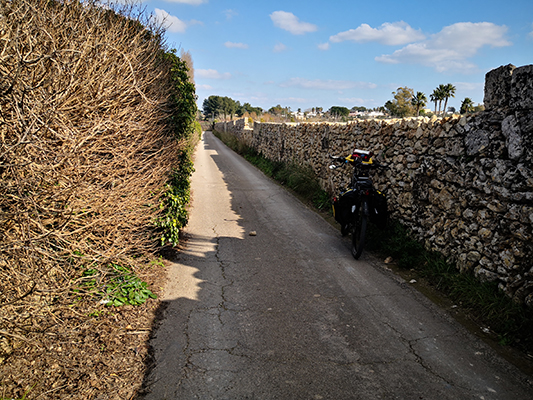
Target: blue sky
column 303, row 54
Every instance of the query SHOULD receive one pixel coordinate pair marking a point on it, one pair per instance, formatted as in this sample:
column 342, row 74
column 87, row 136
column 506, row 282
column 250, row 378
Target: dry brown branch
column 84, row 154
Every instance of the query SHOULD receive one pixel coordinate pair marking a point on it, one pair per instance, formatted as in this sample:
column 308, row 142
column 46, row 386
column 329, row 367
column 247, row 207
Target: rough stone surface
column 498, row 87
column 521, row 96
column 464, row 185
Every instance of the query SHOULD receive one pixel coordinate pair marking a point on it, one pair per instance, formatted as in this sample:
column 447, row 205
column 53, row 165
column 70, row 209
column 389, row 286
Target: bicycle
column 360, row 202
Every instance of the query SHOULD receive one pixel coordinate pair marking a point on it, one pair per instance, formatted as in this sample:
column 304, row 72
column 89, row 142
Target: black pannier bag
column 342, row 206
column 378, row 210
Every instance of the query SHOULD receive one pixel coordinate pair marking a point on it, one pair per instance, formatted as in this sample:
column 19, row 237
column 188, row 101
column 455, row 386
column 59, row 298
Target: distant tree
column 479, row 107
column 187, row 58
column 229, row 107
column 467, row 106
column 434, row 99
column 247, row 108
column 391, row 108
column 452, row 110
column 448, row 91
column 339, row 111
column 401, row 106
column 419, row 101
column 211, row 107
column 240, row 109
column 215, row 106
column 276, row 110
column 437, row 96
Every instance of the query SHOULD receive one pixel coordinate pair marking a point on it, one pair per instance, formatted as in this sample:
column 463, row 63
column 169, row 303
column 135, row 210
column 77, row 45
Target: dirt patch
column 89, row 352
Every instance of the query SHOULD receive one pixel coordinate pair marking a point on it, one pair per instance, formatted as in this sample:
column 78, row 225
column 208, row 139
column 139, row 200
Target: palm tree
column 418, row 101
column 467, row 105
column 433, row 98
column 448, row 91
column 437, row 96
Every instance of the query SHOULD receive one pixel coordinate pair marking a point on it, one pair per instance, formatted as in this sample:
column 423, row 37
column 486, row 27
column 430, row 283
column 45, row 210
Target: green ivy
column 175, row 200
column 120, row 286
column 174, row 215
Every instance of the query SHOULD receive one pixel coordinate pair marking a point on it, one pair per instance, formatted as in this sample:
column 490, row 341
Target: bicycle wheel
column 359, row 233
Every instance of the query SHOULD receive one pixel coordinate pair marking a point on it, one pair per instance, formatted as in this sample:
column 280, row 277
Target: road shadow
column 195, row 271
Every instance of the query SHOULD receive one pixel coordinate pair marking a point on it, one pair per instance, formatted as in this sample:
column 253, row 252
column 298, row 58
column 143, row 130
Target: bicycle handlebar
column 357, row 162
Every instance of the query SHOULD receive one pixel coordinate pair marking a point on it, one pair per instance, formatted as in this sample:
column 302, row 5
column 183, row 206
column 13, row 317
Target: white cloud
column 392, row 34
column 230, row 14
column 353, row 100
column 231, row 45
column 327, row 84
column 204, row 87
column 451, row 48
column 323, row 46
column 211, row 74
column 170, row 22
column 280, row 47
column 469, row 86
column 290, row 22
column 191, row 2
column 293, row 100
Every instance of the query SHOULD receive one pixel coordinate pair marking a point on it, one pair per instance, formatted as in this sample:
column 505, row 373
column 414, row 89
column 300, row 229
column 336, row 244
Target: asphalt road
column 289, row 314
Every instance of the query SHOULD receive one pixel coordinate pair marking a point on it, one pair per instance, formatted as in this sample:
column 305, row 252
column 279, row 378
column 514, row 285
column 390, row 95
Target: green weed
column 117, row 287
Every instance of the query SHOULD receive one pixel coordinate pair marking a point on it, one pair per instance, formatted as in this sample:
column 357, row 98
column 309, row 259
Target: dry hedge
column 85, row 150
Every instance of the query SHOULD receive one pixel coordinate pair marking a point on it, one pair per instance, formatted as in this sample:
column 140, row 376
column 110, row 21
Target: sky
column 305, row 54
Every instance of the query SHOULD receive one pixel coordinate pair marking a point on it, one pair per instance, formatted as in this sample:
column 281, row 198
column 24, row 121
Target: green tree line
column 407, row 103
column 218, row 106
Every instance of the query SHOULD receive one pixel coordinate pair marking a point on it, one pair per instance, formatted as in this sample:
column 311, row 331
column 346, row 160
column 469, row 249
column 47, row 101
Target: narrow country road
column 289, row 314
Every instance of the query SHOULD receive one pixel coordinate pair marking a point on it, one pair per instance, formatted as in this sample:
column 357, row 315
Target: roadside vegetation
column 301, row 179
column 405, row 103
column 494, row 314
column 97, row 126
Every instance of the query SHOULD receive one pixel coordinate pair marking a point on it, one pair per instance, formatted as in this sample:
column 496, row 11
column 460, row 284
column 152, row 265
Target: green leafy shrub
column 176, row 196
column 175, row 201
column 116, row 287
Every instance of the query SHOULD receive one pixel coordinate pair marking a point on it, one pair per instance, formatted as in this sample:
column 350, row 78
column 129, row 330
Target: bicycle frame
column 355, row 203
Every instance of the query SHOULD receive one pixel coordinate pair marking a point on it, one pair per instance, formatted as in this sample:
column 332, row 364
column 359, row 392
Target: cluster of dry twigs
column 84, row 154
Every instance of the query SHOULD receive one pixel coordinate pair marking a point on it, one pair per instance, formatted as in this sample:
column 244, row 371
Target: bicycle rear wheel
column 359, row 233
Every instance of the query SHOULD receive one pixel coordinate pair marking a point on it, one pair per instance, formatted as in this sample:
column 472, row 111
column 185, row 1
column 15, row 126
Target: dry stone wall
column 464, row 185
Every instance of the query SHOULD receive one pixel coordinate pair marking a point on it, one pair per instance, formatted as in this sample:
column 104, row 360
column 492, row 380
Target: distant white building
column 298, row 114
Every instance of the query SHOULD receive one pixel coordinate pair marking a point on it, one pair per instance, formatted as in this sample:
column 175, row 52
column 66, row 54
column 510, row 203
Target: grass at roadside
column 299, row 178
column 484, row 303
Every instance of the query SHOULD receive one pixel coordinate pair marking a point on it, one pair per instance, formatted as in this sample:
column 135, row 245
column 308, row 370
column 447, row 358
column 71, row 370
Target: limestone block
column 498, row 87
column 514, row 142
column 485, row 275
column 476, row 141
column 521, row 91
